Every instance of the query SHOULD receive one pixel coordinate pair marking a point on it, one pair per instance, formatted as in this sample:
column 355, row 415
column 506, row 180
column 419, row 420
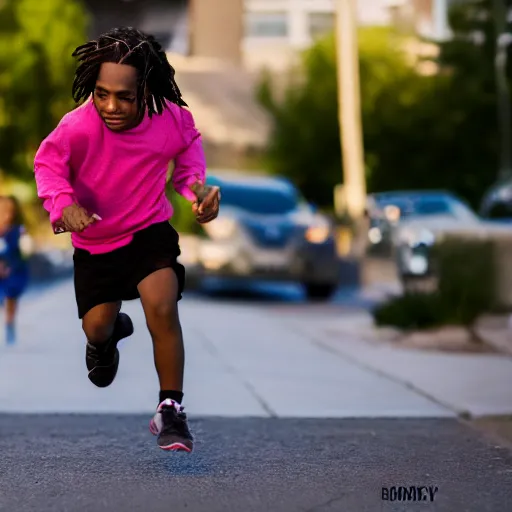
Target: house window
column 320, row 23
column 266, row 24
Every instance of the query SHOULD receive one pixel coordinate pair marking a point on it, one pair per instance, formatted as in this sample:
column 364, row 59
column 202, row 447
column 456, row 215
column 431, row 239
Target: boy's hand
column 75, row 218
column 206, row 208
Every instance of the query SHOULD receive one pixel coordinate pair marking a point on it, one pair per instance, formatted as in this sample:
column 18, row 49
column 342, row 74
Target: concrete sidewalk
column 245, row 360
column 471, row 385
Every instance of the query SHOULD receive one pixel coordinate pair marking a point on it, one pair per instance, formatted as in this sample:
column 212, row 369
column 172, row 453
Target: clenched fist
column 206, row 207
column 75, row 219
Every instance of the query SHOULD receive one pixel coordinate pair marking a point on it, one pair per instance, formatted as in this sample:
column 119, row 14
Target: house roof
column 222, row 99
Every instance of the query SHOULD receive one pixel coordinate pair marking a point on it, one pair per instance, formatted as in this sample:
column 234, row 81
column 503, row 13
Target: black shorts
column 114, row 276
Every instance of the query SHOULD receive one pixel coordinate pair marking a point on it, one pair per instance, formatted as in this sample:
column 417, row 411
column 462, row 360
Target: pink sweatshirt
column 119, row 176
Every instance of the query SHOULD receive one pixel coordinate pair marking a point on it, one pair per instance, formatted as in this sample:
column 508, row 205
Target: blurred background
column 356, row 144
column 359, row 268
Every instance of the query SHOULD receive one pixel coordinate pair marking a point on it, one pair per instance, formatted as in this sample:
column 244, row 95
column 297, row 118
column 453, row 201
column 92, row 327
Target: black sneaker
column 103, row 361
column 170, row 425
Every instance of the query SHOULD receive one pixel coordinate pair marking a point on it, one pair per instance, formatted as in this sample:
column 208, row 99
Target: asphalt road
column 110, row 463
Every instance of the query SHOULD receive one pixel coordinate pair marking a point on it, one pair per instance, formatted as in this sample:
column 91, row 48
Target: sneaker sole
column 174, row 447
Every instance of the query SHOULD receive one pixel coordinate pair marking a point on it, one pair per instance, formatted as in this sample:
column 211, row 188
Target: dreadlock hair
column 127, row 45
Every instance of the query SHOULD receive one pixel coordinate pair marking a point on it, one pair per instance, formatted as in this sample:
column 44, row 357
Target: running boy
column 13, row 266
column 102, row 175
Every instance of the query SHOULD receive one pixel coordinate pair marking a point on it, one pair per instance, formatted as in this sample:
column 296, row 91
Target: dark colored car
column 266, row 230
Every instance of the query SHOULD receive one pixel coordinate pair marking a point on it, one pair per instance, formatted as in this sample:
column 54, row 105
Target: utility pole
column 503, row 40
column 349, row 108
column 349, row 111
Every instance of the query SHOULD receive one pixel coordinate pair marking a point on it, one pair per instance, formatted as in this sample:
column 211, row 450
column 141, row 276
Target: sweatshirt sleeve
column 190, row 163
column 52, row 173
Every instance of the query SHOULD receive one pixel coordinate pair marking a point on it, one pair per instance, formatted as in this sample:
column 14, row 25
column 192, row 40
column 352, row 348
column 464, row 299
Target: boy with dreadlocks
column 102, row 176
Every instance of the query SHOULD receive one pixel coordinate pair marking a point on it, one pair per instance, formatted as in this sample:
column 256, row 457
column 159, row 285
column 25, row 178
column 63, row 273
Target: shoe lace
column 175, row 421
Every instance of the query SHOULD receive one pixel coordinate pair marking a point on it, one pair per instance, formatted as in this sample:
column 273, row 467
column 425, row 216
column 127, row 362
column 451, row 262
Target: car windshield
column 416, row 206
column 260, row 200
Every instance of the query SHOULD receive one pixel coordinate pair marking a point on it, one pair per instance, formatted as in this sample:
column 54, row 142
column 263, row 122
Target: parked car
column 266, row 230
column 418, row 219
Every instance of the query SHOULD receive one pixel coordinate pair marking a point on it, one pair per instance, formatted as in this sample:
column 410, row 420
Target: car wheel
column 319, row 291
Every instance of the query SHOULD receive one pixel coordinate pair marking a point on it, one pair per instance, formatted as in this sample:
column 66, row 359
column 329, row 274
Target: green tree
column 475, row 26
column 305, row 141
column 305, row 144
column 469, row 58
column 36, row 73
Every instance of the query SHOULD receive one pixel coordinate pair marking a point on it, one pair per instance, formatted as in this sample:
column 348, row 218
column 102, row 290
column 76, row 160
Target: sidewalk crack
column 213, row 351
column 461, row 413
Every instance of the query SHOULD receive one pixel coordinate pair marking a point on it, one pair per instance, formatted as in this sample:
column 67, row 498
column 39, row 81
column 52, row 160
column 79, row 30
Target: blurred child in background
column 13, row 267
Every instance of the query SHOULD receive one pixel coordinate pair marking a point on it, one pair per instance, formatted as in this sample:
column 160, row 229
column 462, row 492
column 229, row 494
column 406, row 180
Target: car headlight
column 317, row 234
column 418, row 265
column 375, row 235
column 392, row 213
column 221, row 228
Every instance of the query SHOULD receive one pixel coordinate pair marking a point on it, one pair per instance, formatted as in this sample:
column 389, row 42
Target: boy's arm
column 190, row 164
column 52, row 175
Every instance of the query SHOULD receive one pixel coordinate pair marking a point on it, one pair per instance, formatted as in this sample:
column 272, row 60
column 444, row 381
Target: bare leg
column 158, row 294
column 11, row 307
column 98, row 323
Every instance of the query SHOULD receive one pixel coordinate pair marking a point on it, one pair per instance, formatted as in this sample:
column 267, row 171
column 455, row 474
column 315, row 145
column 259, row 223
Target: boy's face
column 6, row 212
column 115, row 96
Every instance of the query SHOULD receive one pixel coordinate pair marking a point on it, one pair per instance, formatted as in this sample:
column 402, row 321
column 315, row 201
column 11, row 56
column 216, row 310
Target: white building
column 298, row 22
column 276, row 29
